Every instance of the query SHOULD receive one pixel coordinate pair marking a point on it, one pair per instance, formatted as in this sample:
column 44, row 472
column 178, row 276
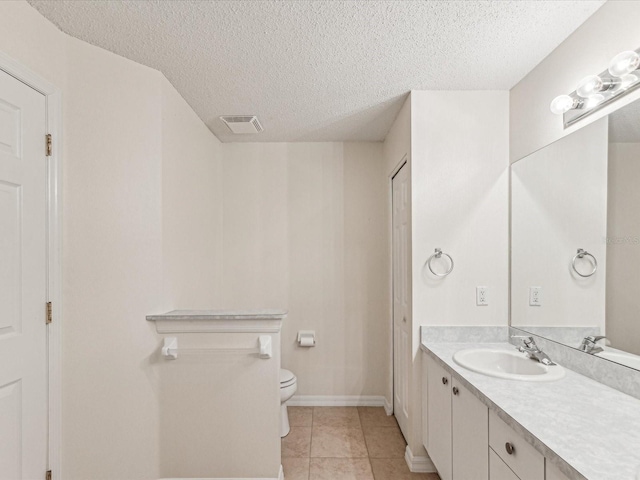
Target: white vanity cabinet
column 466, row 441
column 456, row 426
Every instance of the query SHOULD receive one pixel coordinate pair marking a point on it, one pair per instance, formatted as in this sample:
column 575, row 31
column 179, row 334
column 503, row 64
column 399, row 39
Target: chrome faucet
column 590, row 344
column 531, row 349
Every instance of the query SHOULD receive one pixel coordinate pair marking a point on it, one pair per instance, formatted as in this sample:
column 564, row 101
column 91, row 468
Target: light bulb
column 563, row 104
column 593, row 100
column 623, row 63
column 590, row 85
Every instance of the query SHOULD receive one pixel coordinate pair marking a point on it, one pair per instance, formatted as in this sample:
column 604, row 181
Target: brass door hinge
column 47, row 476
column 49, row 144
column 49, row 313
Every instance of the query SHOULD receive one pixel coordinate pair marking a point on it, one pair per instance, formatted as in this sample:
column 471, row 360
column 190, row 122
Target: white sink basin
column 632, row 361
column 508, row 364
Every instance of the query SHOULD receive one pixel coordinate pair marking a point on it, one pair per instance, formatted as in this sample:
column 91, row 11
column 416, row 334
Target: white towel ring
column 581, row 254
column 438, row 254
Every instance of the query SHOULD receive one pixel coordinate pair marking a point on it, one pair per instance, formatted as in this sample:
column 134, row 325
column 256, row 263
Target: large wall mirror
column 575, row 239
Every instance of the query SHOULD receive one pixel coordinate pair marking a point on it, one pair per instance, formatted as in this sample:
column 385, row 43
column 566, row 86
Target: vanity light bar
column 595, row 91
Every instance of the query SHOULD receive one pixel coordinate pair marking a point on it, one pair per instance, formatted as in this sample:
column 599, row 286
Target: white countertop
column 219, row 321
column 219, row 314
column 590, row 431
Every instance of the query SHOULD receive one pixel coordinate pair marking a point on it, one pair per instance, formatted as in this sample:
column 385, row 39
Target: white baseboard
column 339, row 401
column 280, row 477
column 388, row 407
column 418, row 464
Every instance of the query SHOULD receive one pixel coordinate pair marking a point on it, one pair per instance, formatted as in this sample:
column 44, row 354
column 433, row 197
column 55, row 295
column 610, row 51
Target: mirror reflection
column 575, row 239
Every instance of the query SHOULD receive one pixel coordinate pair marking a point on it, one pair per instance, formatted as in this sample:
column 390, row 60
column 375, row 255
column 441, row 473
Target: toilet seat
column 287, row 378
column 288, row 388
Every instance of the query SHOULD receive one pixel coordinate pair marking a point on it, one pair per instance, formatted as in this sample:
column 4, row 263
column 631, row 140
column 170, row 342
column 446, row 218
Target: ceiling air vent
column 242, row 124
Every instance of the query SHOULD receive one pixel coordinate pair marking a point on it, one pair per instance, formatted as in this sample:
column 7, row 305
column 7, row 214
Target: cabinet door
column 439, row 418
column 499, row 469
column 470, row 432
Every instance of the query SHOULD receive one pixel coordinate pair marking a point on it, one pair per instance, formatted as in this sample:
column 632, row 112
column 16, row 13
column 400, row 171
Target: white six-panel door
column 401, row 320
column 23, row 277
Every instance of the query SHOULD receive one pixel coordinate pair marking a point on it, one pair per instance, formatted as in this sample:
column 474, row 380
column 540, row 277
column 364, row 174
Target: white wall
column 305, row 230
column 459, row 183
column 191, row 207
column 123, row 124
column 112, row 265
column 623, row 252
column 35, row 42
column 612, row 29
column 559, row 204
column 220, row 414
column 460, row 204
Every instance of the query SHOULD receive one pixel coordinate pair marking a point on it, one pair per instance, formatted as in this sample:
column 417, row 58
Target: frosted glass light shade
column 627, row 80
column 562, row 104
column 590, row 85
column 624, row 63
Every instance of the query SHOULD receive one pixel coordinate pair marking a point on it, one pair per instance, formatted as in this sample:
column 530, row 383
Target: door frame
column 404, row 161
column 53, row 101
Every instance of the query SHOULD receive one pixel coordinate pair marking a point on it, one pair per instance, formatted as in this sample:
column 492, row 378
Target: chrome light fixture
column 595, row 91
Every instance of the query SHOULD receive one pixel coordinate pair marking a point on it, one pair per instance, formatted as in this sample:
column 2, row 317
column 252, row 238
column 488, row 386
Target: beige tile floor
column 345, row 443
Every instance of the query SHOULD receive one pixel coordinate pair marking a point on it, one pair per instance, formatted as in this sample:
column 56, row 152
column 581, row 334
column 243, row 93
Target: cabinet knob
column 455, row 390
column 445, row 380
column 510, row 448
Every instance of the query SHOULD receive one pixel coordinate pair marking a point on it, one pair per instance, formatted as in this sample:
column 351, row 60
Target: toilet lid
column 286, row 377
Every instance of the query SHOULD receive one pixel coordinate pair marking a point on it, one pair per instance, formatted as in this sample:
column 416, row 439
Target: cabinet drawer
column 498, row 470
column 524, row 460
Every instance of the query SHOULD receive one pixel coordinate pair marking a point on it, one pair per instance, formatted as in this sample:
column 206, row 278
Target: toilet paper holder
column 307, row 338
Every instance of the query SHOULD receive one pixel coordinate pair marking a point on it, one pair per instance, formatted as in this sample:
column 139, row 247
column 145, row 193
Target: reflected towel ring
column 438, row 254
column 581, row 254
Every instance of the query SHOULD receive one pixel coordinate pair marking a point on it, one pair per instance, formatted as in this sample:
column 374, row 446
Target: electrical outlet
column 535, row 296
column 482, row 296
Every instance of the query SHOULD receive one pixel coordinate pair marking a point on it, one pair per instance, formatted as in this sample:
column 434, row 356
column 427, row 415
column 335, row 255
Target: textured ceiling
column 322, row 70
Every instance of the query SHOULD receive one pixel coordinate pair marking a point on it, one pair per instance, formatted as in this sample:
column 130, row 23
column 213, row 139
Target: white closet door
column 401, row 306
column 23, row 275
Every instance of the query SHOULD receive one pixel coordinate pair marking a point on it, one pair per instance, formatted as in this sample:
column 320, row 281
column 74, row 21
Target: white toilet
column 288, row 386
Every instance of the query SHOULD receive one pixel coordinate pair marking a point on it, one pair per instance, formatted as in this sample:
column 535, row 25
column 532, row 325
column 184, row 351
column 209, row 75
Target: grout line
column 313, row 416
column 373, row 475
